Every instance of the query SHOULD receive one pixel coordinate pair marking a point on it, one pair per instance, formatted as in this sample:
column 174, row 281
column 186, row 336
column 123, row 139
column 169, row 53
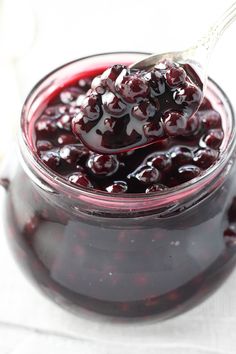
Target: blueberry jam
column 121, row 101
column 141, row 247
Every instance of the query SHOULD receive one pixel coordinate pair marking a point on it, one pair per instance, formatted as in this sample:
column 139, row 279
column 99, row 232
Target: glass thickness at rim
column 38, row 170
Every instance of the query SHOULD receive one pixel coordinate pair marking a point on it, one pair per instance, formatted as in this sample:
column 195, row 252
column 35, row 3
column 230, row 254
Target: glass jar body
column 160, row 262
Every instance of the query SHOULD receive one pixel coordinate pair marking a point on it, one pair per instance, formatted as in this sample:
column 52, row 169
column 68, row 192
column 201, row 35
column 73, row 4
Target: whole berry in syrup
column 80, row 179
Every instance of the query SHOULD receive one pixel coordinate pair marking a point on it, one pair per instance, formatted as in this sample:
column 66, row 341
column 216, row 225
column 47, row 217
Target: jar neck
column 80, row 198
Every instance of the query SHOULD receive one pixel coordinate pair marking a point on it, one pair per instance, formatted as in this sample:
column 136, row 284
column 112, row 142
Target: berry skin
column 117, row 187
column 132, row 87
column 211, row 119
column 56, row 111
column 145, row 110
column 51, row 159
column 205, row 104
column 155, row 188
column 80, row 179
column 70, row 94
column 71, row 154
column 103, row 165
column 97, row 85
column 45, row 127
column 64, row 122
column 108, row 78
column 162, row 162
column 181, row 156
column 85, row 84
column 193, row 125
column 189, row 96
column 91, row 106
column 174, row 123
column 155, row 79
column 214, row 138
column 154, row 129
column 44, row 145
column 146, row 175
column 188, row 172
column 175, row 76
column 204, row 158
column 66, row 139
column 113, row 105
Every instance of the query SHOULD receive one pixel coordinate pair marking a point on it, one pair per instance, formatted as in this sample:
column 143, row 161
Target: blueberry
column 189, row 96
column 154, row 130
column 43, row 145
column 160, row 161
column 155, row 188
column 45, row 127
column 181, row 155
column 98, row 86
column 211, row 119
column 156, row 81
column 51, row 159
column 103, row 165
column 109, row 76
column 65, row 139
column 204, row 158
column 80, row 179
column 91, row 106
column 114, row 105
column 132, row 87
column 56, row 111
column 175, row 76
column 188, row 172
column 117, row 187
column 72, row 153
column 145, row 110
column 205, row 104
column 214, row 138
column 70, row 94
column 64, row 122
column 174, row 123
column 146, row 174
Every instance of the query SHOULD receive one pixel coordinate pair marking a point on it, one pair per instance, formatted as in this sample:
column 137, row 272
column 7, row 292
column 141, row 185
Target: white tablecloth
column 32, row 324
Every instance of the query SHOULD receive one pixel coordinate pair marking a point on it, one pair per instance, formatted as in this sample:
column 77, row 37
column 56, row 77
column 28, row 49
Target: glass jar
column 131, row 255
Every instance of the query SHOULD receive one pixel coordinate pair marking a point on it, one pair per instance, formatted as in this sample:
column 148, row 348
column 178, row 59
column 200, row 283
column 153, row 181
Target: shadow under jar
column 131, row 255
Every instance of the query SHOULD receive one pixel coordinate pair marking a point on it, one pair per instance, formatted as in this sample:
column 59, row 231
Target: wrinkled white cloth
column 32, row 324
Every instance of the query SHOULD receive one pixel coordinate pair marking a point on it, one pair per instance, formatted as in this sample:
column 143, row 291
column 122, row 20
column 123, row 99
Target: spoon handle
column 209, row 41
column 199, row 53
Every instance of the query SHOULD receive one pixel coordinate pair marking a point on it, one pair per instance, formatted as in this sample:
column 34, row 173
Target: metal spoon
column 198, row 55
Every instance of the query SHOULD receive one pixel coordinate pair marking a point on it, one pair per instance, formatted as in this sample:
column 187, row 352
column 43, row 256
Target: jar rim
column 55, row 183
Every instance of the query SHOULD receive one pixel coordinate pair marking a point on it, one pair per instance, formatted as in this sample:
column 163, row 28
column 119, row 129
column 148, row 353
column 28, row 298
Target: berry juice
column 147, row 231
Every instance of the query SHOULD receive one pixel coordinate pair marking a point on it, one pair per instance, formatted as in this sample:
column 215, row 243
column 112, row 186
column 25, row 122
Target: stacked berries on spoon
column 130, row 131
column 128, row 109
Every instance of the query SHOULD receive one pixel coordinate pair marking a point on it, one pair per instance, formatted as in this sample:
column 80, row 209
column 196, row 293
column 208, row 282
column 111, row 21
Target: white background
column 35, row 37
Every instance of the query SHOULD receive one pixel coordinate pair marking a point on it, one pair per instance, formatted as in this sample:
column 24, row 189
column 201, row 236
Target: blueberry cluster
column 127, row 109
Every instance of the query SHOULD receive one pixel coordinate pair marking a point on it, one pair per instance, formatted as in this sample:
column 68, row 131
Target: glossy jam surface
column 183, row 154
